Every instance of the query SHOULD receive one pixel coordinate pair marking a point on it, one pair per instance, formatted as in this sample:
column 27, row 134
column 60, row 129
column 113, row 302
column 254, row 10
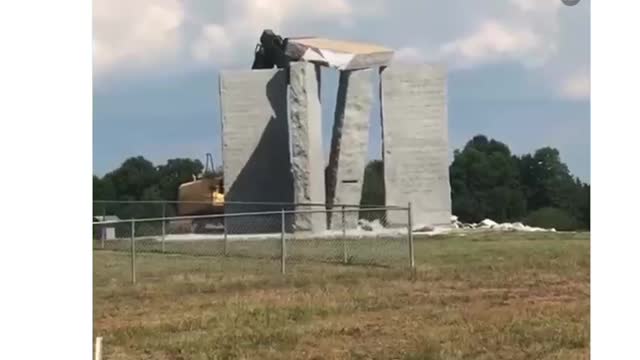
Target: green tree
column 547, row 179
column 174, row 173
column 549, row 184
column 485, row 182
column 584, row 205
column 373, row 191
column 103, row 189
column 133, row 177
column 130, row 181
column 549, row 217
column 373, row 184
column 138, row 179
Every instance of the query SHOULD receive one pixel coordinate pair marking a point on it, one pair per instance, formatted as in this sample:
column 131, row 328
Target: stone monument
column 272, row 138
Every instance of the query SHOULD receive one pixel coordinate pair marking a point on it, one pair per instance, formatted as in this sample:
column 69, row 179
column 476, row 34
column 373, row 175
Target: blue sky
column 518, row 69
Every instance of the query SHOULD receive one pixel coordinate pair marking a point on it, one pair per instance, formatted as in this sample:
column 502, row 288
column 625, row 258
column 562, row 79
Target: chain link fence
column 350, row 236
column 143, row 209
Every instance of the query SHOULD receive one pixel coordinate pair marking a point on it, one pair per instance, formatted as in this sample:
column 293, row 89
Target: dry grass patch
column 481, row 296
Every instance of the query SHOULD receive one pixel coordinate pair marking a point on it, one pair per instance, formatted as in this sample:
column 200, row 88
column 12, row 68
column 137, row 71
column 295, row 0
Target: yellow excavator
column 204, row 195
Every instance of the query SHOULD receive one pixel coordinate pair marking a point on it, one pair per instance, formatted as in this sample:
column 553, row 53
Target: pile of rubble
column 365, row 226
column 488, row 224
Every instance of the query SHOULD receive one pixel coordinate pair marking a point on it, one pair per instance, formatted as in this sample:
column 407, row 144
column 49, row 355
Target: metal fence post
column 224, row 228
column 133, row 251
column 164, row 215
column 412, row 261
column 283, row 245
column 98, row 349
column 345, row 257
column 103, row 229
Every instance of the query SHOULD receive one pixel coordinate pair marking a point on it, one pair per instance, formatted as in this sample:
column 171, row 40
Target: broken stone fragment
column 342, row 55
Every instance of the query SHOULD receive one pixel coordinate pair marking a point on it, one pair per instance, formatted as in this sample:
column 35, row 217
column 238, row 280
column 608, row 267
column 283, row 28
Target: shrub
column 551, row 218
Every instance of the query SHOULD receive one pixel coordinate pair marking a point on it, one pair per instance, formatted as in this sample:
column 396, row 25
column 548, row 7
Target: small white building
column 107, row 231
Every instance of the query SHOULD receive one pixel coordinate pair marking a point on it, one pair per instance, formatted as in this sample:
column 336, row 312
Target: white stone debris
column 488, row 224
column 365, row 230
column 430, row 231
column 423, row 228
column 366, row 225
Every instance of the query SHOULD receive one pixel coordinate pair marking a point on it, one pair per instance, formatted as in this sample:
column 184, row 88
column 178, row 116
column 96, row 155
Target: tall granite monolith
column 307, row 157
column 257, row 168
column 415, row 138
column 349, row 145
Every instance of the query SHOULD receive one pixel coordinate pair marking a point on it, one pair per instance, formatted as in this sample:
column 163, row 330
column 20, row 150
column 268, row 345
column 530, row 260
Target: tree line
column 487, row 181
column 139, row 179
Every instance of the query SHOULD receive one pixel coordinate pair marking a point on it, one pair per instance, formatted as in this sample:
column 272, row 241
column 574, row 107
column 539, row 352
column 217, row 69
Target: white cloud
column 213, row 42
column 494, row 41
column 246, row 19
column 139, row 33
column 134, row 32
column 182, row 33
column 577, row 85
column 410, row 55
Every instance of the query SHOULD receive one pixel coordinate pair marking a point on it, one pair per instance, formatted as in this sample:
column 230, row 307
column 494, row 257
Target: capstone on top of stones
column 339, row 54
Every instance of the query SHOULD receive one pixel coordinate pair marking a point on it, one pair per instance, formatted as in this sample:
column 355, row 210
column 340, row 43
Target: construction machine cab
column 270, row 52
column 217, row 193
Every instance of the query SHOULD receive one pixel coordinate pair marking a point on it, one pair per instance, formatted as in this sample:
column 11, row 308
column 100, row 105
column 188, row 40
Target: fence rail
column 359, row 206
column 349, row 238
column 255, row 213
column 136, row 209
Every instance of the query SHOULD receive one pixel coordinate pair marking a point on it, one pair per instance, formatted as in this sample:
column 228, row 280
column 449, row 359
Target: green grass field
column 478, row 296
